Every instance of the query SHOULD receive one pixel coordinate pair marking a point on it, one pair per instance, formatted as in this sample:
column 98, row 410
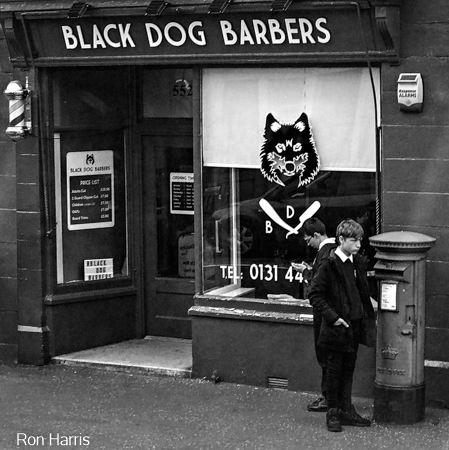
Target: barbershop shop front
column 172, row 152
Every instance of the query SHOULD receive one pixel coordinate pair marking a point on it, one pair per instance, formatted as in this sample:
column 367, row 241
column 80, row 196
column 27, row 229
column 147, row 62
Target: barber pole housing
column 16, row 95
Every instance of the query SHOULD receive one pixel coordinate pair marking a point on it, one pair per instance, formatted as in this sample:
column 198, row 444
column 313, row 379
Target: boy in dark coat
column 340, row 294
column 315, row 235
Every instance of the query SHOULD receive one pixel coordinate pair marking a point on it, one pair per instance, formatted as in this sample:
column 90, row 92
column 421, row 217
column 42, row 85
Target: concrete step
column 153, row 355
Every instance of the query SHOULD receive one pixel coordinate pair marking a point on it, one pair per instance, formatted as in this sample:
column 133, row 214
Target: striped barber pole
column 15, row 93
column 16, row 113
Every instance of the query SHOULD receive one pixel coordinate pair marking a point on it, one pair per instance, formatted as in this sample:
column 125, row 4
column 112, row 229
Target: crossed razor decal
column 273, row 215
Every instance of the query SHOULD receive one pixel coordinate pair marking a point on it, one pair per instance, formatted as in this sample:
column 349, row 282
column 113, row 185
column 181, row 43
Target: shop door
column 168, row 228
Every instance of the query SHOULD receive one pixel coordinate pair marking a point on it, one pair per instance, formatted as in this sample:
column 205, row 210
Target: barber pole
column 16, row 95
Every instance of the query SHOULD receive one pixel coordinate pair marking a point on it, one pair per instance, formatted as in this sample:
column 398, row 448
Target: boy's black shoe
column 318, row 405
column 353, row 418
column 333, row 420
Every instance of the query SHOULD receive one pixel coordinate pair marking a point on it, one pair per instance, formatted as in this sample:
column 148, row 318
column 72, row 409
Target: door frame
column 139, row 127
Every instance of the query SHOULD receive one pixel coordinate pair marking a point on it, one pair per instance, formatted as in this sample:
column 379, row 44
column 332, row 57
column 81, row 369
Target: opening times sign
column 181, row 193
column 90, row 190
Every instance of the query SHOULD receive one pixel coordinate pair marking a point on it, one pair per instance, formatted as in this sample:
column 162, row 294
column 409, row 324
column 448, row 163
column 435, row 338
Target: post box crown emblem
column 389, row 353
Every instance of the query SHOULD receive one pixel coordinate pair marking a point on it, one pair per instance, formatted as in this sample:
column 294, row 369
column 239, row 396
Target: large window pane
column 249, row 245
column 90, row 111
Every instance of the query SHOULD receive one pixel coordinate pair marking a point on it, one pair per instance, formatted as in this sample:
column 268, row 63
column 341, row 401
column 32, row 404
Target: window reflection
column 246, row 248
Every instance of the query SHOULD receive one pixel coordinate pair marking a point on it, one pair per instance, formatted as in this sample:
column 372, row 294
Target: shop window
column 248, row 249
column 90, row 175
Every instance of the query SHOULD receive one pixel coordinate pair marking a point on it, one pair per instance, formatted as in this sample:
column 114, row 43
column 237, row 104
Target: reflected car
column 342, row 195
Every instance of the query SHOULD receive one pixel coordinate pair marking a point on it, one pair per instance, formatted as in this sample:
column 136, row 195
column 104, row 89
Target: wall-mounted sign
column 313, row 32
column 90, row 190
column 388, row 296
column 181, row 193
column 98, row 269
column 410, row 92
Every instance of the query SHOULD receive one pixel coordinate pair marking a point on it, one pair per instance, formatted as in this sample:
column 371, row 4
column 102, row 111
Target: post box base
column 399, row 405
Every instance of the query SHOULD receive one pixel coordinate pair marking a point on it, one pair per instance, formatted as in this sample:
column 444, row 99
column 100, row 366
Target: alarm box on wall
column 410, row 92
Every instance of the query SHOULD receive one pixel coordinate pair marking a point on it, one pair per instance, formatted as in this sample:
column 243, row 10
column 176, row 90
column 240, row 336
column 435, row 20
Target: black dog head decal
column 289, row 150
column 90, row 159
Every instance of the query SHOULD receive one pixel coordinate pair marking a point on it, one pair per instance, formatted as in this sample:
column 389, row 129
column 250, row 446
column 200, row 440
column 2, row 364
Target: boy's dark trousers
column 340, row 373
column 320, row 352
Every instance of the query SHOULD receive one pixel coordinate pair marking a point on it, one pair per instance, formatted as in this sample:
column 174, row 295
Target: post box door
column 396, row 362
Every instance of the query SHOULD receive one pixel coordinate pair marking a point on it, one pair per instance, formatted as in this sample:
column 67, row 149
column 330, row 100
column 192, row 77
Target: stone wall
column 415, row 165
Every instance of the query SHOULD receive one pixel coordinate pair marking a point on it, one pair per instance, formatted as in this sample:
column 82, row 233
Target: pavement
column 90, row 405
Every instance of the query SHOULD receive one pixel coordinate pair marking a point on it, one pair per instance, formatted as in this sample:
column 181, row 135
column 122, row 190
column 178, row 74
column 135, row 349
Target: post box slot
column 386, row 270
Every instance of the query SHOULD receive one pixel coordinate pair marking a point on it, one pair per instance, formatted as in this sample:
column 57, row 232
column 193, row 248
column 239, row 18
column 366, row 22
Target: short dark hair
column 349, row 229
column 313, row 225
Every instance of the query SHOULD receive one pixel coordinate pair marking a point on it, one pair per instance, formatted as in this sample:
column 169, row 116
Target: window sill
column 232, row 291
column 217, row 298
column 247, row 314
column 59, row 299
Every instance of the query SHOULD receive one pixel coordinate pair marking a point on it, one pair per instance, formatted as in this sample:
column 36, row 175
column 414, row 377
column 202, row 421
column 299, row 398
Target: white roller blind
column 338, row 101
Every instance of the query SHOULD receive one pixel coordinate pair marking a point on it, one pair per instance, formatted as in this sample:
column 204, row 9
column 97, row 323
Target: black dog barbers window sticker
column 289, row 151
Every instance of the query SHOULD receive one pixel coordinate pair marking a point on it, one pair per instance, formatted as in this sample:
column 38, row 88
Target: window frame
column 234, row 289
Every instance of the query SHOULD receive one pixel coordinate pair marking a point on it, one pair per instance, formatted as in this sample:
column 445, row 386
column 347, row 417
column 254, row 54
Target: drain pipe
column 376, row 125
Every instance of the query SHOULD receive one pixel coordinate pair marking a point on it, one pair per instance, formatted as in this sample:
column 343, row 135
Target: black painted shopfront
column 156, row 213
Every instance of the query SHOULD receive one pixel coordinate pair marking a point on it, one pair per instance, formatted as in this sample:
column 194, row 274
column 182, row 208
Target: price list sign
column 181, row 193
column 90, row 190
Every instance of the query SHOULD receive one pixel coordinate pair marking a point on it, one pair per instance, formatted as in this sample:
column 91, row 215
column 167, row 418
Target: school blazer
column 308, row 274
column 329, row 296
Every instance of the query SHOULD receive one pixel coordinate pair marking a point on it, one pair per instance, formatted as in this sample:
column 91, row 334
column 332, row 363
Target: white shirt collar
column 342, row 256
column 326, row 241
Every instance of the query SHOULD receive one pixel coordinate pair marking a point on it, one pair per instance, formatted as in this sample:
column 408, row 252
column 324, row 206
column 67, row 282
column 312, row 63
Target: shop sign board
column 292, row 33
column 90, row 190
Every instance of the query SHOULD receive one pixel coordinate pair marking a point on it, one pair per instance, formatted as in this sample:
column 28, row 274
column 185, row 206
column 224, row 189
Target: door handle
column 217, row 237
